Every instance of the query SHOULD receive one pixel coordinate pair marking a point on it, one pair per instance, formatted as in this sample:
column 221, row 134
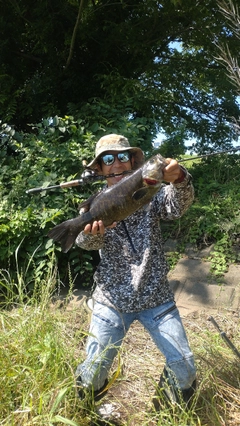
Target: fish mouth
column 149, row 181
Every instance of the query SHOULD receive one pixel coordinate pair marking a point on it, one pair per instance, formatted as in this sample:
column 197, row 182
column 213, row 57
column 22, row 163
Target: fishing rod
column 208, row 155
column 86, row 177
column 224, row 337
column 89, row 175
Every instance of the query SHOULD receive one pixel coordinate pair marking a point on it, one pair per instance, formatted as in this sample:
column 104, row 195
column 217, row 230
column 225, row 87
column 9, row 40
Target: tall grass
column 37, row 355
column 42, row 341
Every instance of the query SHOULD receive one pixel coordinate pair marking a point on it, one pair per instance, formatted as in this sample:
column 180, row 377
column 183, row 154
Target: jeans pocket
column 106, row 316
column 164, row 313
column 104, row 320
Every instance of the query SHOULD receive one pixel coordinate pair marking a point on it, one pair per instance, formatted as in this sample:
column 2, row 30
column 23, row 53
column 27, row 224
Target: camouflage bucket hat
column 119, row 143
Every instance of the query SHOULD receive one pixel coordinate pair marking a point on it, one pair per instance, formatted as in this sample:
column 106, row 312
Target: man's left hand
column 173, row 172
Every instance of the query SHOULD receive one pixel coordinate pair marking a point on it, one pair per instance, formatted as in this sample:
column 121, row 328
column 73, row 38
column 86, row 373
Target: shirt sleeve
column 172, row 201
column 89, row 242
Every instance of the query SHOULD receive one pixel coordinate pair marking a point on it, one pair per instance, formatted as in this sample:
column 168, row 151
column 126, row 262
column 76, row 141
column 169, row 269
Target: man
column 131, row 279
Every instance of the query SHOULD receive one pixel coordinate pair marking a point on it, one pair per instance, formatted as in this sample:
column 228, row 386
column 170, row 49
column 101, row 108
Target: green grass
column 42, row 340
column 37, row 356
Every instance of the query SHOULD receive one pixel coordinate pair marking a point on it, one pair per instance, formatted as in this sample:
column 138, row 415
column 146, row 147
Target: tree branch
column 74, row 33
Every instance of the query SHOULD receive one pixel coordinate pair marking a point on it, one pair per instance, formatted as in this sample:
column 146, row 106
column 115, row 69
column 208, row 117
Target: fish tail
column 65, row 233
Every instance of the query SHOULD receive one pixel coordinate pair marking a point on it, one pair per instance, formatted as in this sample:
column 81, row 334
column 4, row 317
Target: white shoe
column 108, row 411
column 90, row 304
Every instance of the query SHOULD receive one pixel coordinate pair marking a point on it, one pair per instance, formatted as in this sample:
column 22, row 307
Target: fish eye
column 151, row 161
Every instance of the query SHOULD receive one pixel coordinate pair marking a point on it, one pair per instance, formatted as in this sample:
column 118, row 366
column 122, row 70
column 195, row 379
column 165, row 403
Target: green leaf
column 55, row 121
column 65, row 421
column 58, row 400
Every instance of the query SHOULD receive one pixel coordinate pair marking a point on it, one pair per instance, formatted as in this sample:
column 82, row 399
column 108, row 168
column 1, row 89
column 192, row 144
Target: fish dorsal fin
column 140, row 193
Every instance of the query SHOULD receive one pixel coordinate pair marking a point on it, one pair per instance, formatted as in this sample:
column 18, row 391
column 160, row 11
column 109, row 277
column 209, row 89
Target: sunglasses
column 123, row 157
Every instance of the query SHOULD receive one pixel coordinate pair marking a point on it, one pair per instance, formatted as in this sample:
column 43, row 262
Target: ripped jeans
column 108, row 328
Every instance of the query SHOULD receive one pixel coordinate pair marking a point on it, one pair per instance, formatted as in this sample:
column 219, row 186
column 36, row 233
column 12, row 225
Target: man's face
column 115, row 162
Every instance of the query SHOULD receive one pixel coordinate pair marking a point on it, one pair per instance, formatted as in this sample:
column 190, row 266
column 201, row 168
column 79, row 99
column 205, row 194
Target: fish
column 115, row 203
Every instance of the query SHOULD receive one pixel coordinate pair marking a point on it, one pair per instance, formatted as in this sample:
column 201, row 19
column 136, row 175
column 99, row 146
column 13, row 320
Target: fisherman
column 131, row 279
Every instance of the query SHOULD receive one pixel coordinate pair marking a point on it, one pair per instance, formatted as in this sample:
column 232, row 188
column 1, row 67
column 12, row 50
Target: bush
column 214, row 217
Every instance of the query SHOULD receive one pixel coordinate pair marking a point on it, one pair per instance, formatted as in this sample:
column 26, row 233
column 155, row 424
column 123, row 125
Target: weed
column 41, row 344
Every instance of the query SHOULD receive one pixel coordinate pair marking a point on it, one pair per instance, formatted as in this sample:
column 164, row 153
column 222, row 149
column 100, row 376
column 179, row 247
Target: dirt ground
column 141, row 364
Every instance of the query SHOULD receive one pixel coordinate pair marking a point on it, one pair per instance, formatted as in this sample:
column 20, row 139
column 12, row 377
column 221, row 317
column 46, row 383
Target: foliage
column 214, row 216
column 173, row 257
column 161, row 56
column 26, row 219
column 222, row 256
column 174, row 145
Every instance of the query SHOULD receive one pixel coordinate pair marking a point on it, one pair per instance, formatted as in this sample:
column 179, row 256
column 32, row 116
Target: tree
column 58, row 55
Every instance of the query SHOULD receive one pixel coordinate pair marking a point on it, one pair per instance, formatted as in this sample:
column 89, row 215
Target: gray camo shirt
column 132, row 273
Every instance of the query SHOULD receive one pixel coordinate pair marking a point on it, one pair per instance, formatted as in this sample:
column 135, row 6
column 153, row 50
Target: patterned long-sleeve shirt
column 132, row 273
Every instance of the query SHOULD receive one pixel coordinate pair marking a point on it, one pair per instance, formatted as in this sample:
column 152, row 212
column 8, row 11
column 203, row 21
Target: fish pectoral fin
column 140, row 193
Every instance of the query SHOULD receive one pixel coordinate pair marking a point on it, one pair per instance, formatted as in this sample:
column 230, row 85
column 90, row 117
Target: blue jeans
column 108, row 328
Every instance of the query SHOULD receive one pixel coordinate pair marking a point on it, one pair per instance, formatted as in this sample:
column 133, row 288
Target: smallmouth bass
column 115, row 203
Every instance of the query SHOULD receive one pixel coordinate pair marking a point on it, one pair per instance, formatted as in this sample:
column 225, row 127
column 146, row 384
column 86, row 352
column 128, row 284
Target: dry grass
column 217, row 399
column 42, row 343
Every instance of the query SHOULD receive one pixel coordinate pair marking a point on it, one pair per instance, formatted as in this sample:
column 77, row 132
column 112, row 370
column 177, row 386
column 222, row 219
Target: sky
column 188, row 143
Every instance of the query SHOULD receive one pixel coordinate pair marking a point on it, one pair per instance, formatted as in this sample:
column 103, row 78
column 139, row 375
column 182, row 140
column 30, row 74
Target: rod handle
column 62, row 185
column 30, row 191
column 71, row 183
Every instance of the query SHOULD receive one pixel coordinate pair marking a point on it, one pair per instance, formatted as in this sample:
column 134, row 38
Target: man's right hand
column 97, row 227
